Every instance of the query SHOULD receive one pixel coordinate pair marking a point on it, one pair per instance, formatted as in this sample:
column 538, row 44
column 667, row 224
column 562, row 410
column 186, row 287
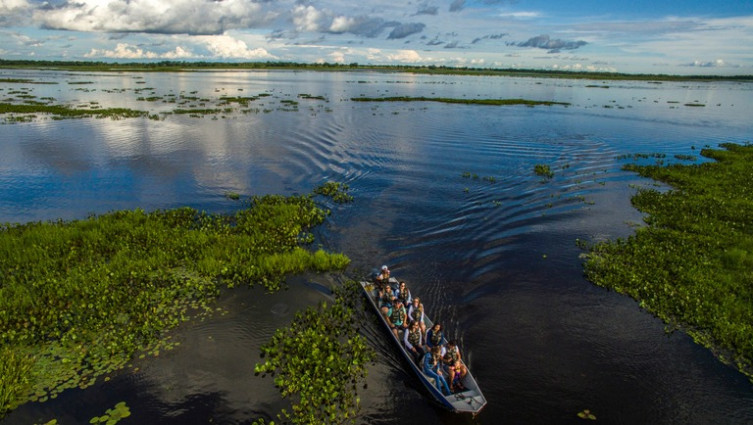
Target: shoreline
column 178, row 66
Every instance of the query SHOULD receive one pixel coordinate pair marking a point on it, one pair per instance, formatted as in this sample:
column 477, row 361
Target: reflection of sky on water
column 494, row 255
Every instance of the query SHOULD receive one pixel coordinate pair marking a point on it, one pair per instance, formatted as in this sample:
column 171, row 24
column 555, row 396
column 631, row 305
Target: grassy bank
column 78, row 299
column 692, row 265
column 180, row 66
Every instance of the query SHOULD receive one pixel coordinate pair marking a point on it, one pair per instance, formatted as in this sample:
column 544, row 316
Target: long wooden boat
column 470, row 400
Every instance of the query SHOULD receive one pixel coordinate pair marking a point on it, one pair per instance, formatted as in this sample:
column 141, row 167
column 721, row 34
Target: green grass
column 691, row 265
column 495, row 102
column 179, row 66
column 62, row 112
column 78, row 299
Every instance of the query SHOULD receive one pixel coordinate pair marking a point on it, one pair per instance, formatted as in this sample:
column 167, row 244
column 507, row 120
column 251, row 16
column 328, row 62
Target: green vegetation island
column 80, row 299
column 692, row 264
column 183, row 66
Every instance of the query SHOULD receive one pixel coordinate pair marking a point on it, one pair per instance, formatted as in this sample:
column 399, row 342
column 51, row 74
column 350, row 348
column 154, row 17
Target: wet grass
column 63, row 112
column 691, row 264
column 79, row 299
column 495, row 102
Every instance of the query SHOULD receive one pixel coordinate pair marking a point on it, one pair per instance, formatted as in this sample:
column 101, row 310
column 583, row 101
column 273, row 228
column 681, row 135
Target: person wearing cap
column 384, row 276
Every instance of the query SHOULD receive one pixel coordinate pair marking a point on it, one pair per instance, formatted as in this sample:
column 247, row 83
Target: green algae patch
column 494, row 102
column 691, row 265
column 78, row 299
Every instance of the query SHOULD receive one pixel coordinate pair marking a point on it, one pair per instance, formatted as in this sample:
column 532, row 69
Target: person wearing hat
column 384, row 276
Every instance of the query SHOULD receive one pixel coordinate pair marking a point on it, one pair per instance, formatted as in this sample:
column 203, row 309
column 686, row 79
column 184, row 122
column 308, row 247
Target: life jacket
column 452, row 355
column 403, row 294
column 417, row 312
column 414, row 337
column 436, row 337
column 398, row 314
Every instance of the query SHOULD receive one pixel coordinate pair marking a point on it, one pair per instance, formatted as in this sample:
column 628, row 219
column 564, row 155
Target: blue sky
column 639, row 36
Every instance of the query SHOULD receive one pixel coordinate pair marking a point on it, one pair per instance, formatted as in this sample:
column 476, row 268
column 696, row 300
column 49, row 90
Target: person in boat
column 435, row 338
column 398, row 316
column 384, row 276
column 416, row 314
column 451, row 354
column 403, row 294
column 385, row 295
column 413, row 340
column 431, row 367
column 456, row 374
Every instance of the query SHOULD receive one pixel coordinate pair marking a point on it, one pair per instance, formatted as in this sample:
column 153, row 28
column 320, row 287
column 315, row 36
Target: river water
column 445, row 194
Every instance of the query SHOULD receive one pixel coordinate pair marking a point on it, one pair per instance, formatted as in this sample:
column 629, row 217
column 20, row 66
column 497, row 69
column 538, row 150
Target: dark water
column 493, row 257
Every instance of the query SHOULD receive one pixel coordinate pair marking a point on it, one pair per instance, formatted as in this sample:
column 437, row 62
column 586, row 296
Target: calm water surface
column 492, row 255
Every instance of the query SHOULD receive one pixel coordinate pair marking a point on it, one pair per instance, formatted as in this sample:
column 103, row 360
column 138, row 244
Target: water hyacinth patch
column 319, row 361
column 691, row 264
column 78, row 299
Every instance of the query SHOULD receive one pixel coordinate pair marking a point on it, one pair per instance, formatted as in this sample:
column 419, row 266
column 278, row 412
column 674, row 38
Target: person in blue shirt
column 431, row 367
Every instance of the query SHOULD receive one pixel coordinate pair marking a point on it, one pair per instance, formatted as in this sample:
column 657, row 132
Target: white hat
column 384, row 268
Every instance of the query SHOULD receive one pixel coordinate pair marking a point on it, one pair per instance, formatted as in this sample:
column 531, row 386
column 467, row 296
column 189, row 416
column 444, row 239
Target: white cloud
column 519, row 15
column 13, row 12
column 227, row 47
column 122, row 51
column 307, row 18
column 342, row 24
column 410, row 56
column 158, row 16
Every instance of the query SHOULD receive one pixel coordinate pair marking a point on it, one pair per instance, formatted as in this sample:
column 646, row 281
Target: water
column 493, row 257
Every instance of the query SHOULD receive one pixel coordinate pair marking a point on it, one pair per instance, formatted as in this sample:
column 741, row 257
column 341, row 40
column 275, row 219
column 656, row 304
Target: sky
column 684, row 37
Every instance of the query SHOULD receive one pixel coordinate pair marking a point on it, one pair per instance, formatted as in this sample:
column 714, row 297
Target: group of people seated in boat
column 437, row 357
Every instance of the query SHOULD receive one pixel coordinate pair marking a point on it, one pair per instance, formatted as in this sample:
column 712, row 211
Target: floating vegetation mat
column 78, row 299
column 319, row 361
column 691, row 265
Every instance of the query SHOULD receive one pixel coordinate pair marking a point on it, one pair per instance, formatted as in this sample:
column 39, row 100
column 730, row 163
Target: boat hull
column 471, row 400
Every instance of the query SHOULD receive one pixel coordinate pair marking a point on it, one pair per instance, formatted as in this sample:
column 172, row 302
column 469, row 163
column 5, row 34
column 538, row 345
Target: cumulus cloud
column 127, row 51
column 308, row 18
column 718, row 63
column 226, row 47
column 222, row 46
column 13, row 12
column 404, row 30
column 197, row 17
column 552, row 45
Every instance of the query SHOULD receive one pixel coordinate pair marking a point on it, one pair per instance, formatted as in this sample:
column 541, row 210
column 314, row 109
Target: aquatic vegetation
column 78, row 299
column 690, row 265
column 543, row 170
column 232, row 195
column 320, row 361
column 335, row 190
column 498, row 102
column 112, row 416
column 63, row 112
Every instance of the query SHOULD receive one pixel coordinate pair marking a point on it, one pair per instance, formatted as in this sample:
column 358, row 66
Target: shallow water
column 493, row 257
